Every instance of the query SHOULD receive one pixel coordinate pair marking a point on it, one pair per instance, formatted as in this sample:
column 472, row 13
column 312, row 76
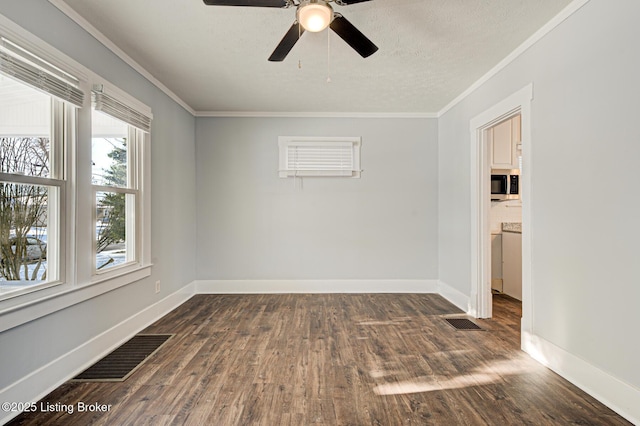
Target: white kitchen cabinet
column 505, row 141
column 512, row 264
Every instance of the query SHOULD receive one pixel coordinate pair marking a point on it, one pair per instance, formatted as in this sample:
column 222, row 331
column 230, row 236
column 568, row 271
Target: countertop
column 515, row 227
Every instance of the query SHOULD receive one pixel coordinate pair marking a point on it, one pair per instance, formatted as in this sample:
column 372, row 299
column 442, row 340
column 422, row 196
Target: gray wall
column 254, row 225
column 408, row 216
column 25, row 348
column 585, row 207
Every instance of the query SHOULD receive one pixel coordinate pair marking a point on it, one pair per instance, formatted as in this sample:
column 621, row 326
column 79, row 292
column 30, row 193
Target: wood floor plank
column 332, row 359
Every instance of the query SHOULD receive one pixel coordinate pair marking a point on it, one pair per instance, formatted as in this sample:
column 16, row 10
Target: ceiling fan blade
column 354, row 38
column 287, row 43
column 255, row 3
column 348, row 2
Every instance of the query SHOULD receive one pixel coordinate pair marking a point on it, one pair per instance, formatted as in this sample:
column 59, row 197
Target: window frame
column 77, row 282
column 133, row 245
column 140, row 159
column 328, row 144
column 60, row 137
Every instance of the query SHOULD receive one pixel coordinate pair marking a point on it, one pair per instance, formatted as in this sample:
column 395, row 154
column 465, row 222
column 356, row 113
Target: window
column 65, row 225
column 118, row 133
column 319, row 156
column 34, row 132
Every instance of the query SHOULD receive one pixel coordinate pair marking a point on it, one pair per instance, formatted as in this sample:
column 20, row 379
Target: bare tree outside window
column 23, row 209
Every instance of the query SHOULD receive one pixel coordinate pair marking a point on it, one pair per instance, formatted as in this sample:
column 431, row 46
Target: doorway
column 505, row 146
column 481, row 295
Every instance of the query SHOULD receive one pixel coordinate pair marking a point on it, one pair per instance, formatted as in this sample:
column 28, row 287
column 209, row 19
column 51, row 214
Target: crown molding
column 267, row 114
column 84, row 24
column 538, row 35
column 565, row 13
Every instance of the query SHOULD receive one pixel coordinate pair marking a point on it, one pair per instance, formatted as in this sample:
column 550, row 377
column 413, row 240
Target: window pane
column 25, row 129
column 109, row 151
column 23, row 236
column 115, row 218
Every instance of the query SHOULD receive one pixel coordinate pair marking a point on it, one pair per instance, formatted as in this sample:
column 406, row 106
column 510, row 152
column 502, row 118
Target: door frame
column 480, row 297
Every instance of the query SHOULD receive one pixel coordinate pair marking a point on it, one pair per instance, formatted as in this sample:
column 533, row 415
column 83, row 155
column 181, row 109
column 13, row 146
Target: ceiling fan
column 313, row 16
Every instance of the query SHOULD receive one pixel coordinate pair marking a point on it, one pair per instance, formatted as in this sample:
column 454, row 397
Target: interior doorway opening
column 505, row 215
column 481, row 298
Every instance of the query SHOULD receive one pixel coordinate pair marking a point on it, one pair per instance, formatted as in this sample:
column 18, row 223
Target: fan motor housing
column 314, row 15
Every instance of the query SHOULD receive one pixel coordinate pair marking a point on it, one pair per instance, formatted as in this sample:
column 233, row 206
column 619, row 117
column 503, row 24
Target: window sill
column 20, row 310
column 115, row 272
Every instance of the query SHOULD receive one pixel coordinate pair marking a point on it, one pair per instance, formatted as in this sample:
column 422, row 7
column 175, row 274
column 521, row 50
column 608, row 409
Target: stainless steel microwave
column 505, row 185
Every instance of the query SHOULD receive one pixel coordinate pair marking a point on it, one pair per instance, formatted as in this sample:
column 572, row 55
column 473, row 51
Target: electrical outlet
column 157, row 286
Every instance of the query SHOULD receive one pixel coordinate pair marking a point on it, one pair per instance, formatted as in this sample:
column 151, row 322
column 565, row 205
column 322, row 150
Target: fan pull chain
column 328, row 56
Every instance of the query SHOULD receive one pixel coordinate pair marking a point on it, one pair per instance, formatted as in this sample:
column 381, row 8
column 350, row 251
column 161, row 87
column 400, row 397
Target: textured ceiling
column 214, row 58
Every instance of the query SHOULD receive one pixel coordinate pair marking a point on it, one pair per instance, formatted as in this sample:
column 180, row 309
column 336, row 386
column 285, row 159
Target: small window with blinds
column 319, row 156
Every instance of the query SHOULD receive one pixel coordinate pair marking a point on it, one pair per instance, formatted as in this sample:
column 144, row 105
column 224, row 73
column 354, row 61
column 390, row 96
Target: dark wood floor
column 370, row 359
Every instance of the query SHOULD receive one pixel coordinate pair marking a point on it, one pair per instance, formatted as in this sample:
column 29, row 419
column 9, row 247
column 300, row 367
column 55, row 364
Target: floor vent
column 463, row 324
column 123, row 361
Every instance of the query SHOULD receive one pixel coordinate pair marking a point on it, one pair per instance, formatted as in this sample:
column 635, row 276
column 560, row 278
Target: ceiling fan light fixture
column 314, row 16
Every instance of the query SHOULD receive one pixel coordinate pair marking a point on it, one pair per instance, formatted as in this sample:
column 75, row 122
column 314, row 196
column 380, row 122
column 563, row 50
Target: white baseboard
column 315, row 286
column 41, row 382
column 621, row 397
column 454, row 296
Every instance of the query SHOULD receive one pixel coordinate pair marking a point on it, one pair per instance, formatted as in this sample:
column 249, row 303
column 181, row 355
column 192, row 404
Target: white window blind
column 306, row 156
column 22, row 65
column 116, row 108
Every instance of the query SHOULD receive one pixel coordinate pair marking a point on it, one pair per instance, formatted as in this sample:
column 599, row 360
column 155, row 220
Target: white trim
column 621, row 397
column 297, row 114
column 62, row 116
column 119, row 95
column 32, row 306
column 340, row 156
column 533, row 39
column 78, row 288
column 134, row 206
column 565, row 13
column 55, row 57
column 314, row 286
column 144, row 185
column 84, row 24
column 43, row 50
column 456, row 297
column 26, row 67
column 45, row 379
column 520, row 101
